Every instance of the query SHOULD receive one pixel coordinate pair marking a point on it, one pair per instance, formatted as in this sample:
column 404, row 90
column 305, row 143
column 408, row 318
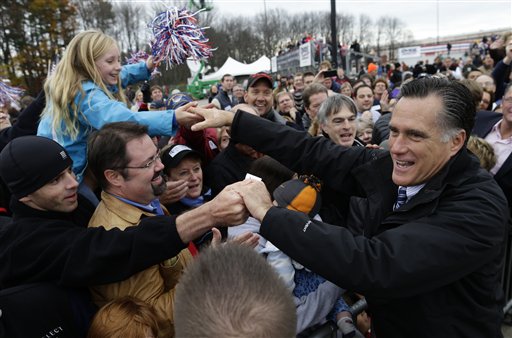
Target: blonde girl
column 86, row 91
column 138, row 101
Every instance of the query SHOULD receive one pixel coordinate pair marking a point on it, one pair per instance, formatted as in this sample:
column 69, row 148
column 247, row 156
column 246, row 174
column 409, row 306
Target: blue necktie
column 402, row 197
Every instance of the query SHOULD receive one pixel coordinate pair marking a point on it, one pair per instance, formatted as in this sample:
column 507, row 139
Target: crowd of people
column 268, row 212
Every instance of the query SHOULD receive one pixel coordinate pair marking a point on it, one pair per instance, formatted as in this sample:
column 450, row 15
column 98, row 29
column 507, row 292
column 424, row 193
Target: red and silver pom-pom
column 9, row 94
column 139, row 56
column 176, row 37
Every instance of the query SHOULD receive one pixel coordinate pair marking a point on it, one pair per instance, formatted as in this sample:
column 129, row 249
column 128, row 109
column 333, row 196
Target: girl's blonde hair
column 77, row 65
column 137, row 94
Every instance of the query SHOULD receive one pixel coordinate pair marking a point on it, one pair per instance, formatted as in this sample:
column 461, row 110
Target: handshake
column 234, row 204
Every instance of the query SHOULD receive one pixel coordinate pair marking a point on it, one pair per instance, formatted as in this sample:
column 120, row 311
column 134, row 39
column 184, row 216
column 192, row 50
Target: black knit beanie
column 27, row 163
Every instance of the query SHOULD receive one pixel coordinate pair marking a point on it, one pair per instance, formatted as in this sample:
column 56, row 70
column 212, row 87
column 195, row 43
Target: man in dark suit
column 496, row 129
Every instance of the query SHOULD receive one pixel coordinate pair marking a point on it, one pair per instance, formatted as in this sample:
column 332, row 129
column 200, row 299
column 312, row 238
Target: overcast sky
column 419, row 16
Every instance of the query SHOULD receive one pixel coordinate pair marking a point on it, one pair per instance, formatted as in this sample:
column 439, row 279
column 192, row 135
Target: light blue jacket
column 97, row 109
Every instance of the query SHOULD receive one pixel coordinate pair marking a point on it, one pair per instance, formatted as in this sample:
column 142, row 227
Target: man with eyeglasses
column 127, row 165
column 47, row 242
column 239, row 93
column 496, row 129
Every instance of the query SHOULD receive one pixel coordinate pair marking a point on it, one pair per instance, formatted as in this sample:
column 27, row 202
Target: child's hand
column 247, row 238
column 151, row 63
column 185, row 117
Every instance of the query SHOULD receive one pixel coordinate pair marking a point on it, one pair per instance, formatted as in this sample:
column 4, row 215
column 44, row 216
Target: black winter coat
column 39, row 246
column 430, row 269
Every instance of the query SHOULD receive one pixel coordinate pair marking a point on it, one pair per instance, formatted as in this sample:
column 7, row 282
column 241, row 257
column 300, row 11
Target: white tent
column 236, row 68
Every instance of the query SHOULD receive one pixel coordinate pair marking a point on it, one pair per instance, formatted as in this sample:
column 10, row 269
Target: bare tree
column 345, row 24
column 270, row 27
column 96, row 14
column 323, row 26
column 131, row 26
column 295, row 27
column 310, row 22
column 381, row 24
column 365, row 31
column 394, row 32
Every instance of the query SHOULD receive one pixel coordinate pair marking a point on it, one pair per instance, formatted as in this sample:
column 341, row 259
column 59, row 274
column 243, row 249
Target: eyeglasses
column 148, row 165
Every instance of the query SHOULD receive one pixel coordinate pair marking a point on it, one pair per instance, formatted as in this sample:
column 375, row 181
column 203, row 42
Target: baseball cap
column 260, row 76
column 178, row 100
column 468, row 68
column 299, row 196
column 173, row 155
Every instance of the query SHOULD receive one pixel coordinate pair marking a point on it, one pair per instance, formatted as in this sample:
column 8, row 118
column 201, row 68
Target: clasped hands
column 233, row 205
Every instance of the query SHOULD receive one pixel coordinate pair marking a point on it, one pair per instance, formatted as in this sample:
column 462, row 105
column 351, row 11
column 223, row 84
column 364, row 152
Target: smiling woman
column 181, row 163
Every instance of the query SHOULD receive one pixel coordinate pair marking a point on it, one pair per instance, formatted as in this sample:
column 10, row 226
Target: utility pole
column 334, row 40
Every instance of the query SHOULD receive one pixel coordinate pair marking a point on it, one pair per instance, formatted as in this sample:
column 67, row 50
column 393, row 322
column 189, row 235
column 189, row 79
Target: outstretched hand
column 185, row 117
column 211, row 117
column 151, row 63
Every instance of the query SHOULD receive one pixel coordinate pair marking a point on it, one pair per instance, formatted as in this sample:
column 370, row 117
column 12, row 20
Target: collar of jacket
column 80, row 216
column 21, row 210
column 130, row 213
column 273, row 116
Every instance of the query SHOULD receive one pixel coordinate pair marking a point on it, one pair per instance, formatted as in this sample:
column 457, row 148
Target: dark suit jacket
column 485, row 120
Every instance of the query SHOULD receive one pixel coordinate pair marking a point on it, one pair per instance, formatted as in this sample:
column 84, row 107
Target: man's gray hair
column 334, row 104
